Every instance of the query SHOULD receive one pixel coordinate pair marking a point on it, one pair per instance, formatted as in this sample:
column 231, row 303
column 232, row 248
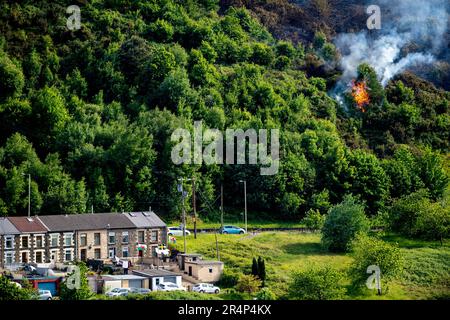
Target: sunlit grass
column 426, row 274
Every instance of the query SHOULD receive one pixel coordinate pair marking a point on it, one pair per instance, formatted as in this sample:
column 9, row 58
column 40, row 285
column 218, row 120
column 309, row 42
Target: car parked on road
column 232, row 230
column 118, row 292
column 176, row 231
column 206, row 288
column 169, row 286
column 45, row 295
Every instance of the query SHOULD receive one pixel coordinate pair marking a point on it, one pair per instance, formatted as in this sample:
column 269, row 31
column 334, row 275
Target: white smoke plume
column 406, row 24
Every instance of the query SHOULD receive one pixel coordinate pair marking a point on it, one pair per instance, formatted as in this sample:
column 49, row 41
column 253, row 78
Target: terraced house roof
column 27, row 225
column 6, row 227
column 145, row 219
column 88, row 221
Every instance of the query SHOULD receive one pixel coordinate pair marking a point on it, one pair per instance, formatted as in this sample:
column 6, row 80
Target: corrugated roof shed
column 6, row 227
column 96, row 221
column 27, row 225
column 155, row 273
column 123, row 277
column 145, row 219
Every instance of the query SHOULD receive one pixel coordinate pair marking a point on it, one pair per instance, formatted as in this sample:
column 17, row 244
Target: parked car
column 139, row 290
column 232, row 230
column 169, row 286
column 118, row 292
column 176, row 231
column 45, row 295
column 205, row 288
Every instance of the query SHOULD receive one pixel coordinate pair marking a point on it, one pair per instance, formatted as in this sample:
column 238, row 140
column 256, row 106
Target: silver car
column 169, row 286
column 118, row 292
column 45, row 295
column 205, row 288
column 176, row 231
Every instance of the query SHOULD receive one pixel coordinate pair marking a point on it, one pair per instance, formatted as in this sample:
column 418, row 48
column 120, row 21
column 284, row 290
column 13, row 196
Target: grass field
column 426, row 275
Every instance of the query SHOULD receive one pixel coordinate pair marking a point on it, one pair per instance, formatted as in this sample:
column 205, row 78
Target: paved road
column 258, row 230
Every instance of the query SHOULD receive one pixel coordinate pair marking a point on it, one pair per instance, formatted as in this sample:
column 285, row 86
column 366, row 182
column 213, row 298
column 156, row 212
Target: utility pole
column 245, row 203
column 221, row 205
column 29, row 193
column 217, row 247
column 183, row 196
column 194, row 206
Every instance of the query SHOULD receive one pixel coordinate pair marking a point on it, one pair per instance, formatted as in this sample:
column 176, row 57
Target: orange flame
column 360, row 95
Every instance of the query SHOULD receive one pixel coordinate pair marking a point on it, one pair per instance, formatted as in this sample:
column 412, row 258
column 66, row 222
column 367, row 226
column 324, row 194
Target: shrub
column 314, row 220
column 317, row 283
column 262, row 54
column 81, row 293
column 415, row 215
column 282, row 63
column 229, row 278
column 173, row 295
column 265, row 294
column 10, row 291
column 248, row 283
column 285, row 48
column 368, row 251
column 342, row 224
column 434, row 223
column 261, row 269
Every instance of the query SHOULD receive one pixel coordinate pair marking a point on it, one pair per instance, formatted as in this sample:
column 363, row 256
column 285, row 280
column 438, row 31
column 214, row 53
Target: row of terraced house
column 65, row 238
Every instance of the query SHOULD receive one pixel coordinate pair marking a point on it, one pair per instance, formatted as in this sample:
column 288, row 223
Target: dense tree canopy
column 89, row 113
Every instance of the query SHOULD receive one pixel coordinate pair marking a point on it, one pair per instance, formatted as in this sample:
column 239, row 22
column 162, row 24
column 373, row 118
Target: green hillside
column 89, row 114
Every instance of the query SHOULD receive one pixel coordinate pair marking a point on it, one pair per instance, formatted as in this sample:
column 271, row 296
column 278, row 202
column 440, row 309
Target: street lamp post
column 245, row 202
column 29, row 193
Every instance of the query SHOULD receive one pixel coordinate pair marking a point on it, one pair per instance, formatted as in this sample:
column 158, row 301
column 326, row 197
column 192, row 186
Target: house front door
column 24, row 257
column 83, row 255
column 190, row 271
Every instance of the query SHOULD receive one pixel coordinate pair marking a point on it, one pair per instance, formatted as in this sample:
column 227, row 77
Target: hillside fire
column 360, row 94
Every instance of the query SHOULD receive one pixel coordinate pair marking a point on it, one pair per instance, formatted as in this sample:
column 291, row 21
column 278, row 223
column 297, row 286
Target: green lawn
column 426, row 273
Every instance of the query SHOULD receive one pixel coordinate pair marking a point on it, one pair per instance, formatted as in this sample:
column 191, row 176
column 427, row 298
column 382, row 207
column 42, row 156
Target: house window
column 24, row 242
column 9, row 257
column 96, row 239
column 38, row 257
column 125, row 252
column 97, row 254
column 154, row 236
column 54, row 240
column 83, row 240
column 9, row 242
column 67, row 255
column 125, row 237
column 210, row 270
column 54, row 255
column 141, row 236
column 157, row 281
column 39, row 242
column 112, row 253
column 68, row 239
column 111, row 238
